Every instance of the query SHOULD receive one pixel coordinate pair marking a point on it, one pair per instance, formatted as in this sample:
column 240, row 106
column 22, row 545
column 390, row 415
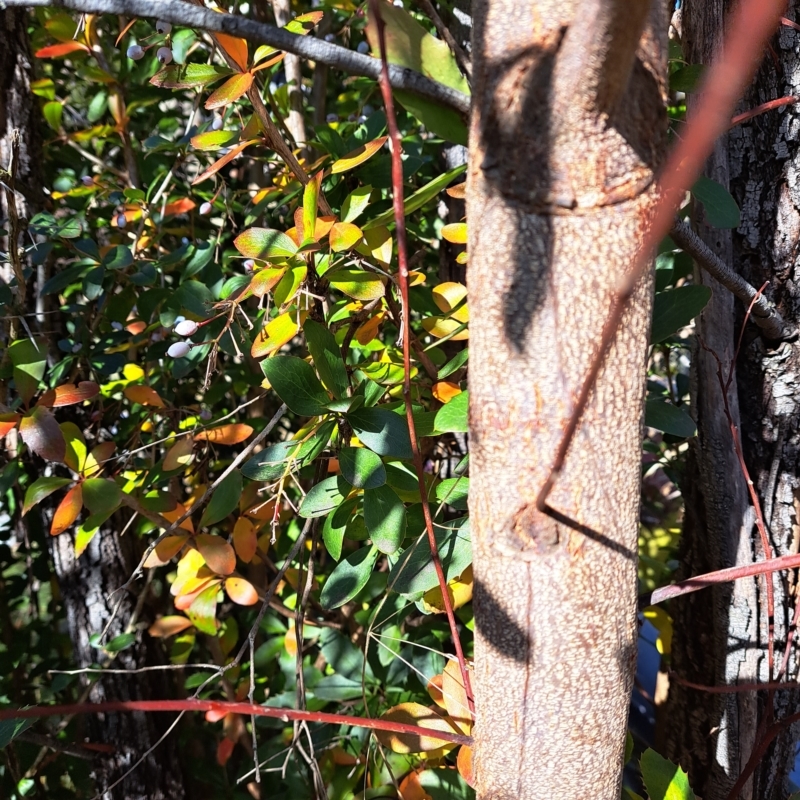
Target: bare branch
column 318, row 50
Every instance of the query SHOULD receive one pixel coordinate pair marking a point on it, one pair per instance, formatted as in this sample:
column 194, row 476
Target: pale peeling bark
column 559, row 188
column 722, row 638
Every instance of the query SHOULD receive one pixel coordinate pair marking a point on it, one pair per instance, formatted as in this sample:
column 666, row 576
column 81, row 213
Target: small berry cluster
column 183, row 327
column 163, row 54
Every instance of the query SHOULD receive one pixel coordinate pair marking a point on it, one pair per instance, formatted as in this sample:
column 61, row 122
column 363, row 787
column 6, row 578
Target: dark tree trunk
column 721, row 635
column 86, row 583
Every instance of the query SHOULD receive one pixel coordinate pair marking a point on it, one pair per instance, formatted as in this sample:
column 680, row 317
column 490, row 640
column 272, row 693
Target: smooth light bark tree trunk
column 567, row 132
column 721, row 638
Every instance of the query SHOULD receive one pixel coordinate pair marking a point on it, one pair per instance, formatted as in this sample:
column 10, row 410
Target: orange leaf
column 67, row 511
column 176, row 514
column 69, row 394
column 369, row 330
column 8, row 422
column 459, row 191
column 434, row 688
column 411, row 788
column 180, row 454
column 220, row 163
column 143, row 395
column 236, row 48
column 241, row 591
column 225, row 434
column 61, row 49
column 419, row 715
column 245, row 539
column 359, row 155
column 231, row 90
column 169, row 626
column 445, row 391
column 182, row 206
column 464, row 764
column 217, row 553
column 165, row 551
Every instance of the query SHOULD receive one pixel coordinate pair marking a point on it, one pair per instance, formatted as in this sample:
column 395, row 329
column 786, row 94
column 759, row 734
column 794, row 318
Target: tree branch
column 318, row 50
column 764, row 313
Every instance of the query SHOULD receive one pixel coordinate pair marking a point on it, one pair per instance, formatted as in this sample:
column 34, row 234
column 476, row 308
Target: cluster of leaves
column 195, row 285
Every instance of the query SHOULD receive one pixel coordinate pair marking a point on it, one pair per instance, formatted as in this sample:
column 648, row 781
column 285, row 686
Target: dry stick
column 753, row 23
column 227, row 707
column 764, row 313
column 318, row 50
column 462, row 59
column 402, row 278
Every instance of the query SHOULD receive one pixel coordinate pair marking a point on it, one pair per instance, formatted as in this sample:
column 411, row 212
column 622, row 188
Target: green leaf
column 324, row 497
column 334, row 527
column 668, row 418
column 327, row 357
column 673, row 310
column 11, row 728
column 30, row 361
column 224, row 500
column 414, row 572
column 337, row 688
column 454, row 364
column 385, row 517
column 362, row 468
column 408, row 44
column 418, row 199
column 203, row 610
column 721, row 209
column 296, row 383
column 357, row 283
column 186, row 77
column 52, row 113
column 100, row 495
column 453, row 491
column 264, row 243
column 355, row 203
column 382, row 431
column 686, row 79
column 348, row 577
column 41, row 488
column 121, row 642
column 213, row 140
column 454, row 416
column 118, row 257
column 663, row 779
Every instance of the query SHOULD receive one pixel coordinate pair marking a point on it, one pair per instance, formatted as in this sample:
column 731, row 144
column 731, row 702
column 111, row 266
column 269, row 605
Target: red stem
column 754, row 112
column 402, row 275
column 285, row 714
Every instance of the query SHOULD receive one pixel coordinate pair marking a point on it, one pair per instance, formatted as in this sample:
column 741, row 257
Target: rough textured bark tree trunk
column 568, row 128
column 86, row 583
column 722, row 638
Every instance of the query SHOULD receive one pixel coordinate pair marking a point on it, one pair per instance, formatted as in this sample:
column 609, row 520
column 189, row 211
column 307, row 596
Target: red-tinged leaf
column 264, row 243
column 67, row 511
column 464, row 764
column 124, row 31
column 358, row 156
column 180, row 454
column 225, row 434
column 266, row 280
column 143, row 395
column 69, row 394
column 224, row 751
column 189, row 76
column 419, row 715
column 41, row 488
column 169, row 626
column 236, row 48
column 182, row 206
column 220, row 163
column 343, row 236
column 61, row 49
column 241, row 591
column 203, row 610
column 8, row 422
column 230, row 91
column 215, row 715
column 213, row 140
column 217, row 553
column 245, row 539
column 41, row 433
column 165, row 551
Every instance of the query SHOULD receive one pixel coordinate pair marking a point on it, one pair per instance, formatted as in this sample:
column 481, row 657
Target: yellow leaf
column 277, row 333
column 459, row 591
column 266, row 280
column 343, row 235
column 359, row 155
column 455, row 233
column 455, row 697
column 662, row 622
column 96, row 459
column 439, row 327
column 448, row 296
column 378, row 244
